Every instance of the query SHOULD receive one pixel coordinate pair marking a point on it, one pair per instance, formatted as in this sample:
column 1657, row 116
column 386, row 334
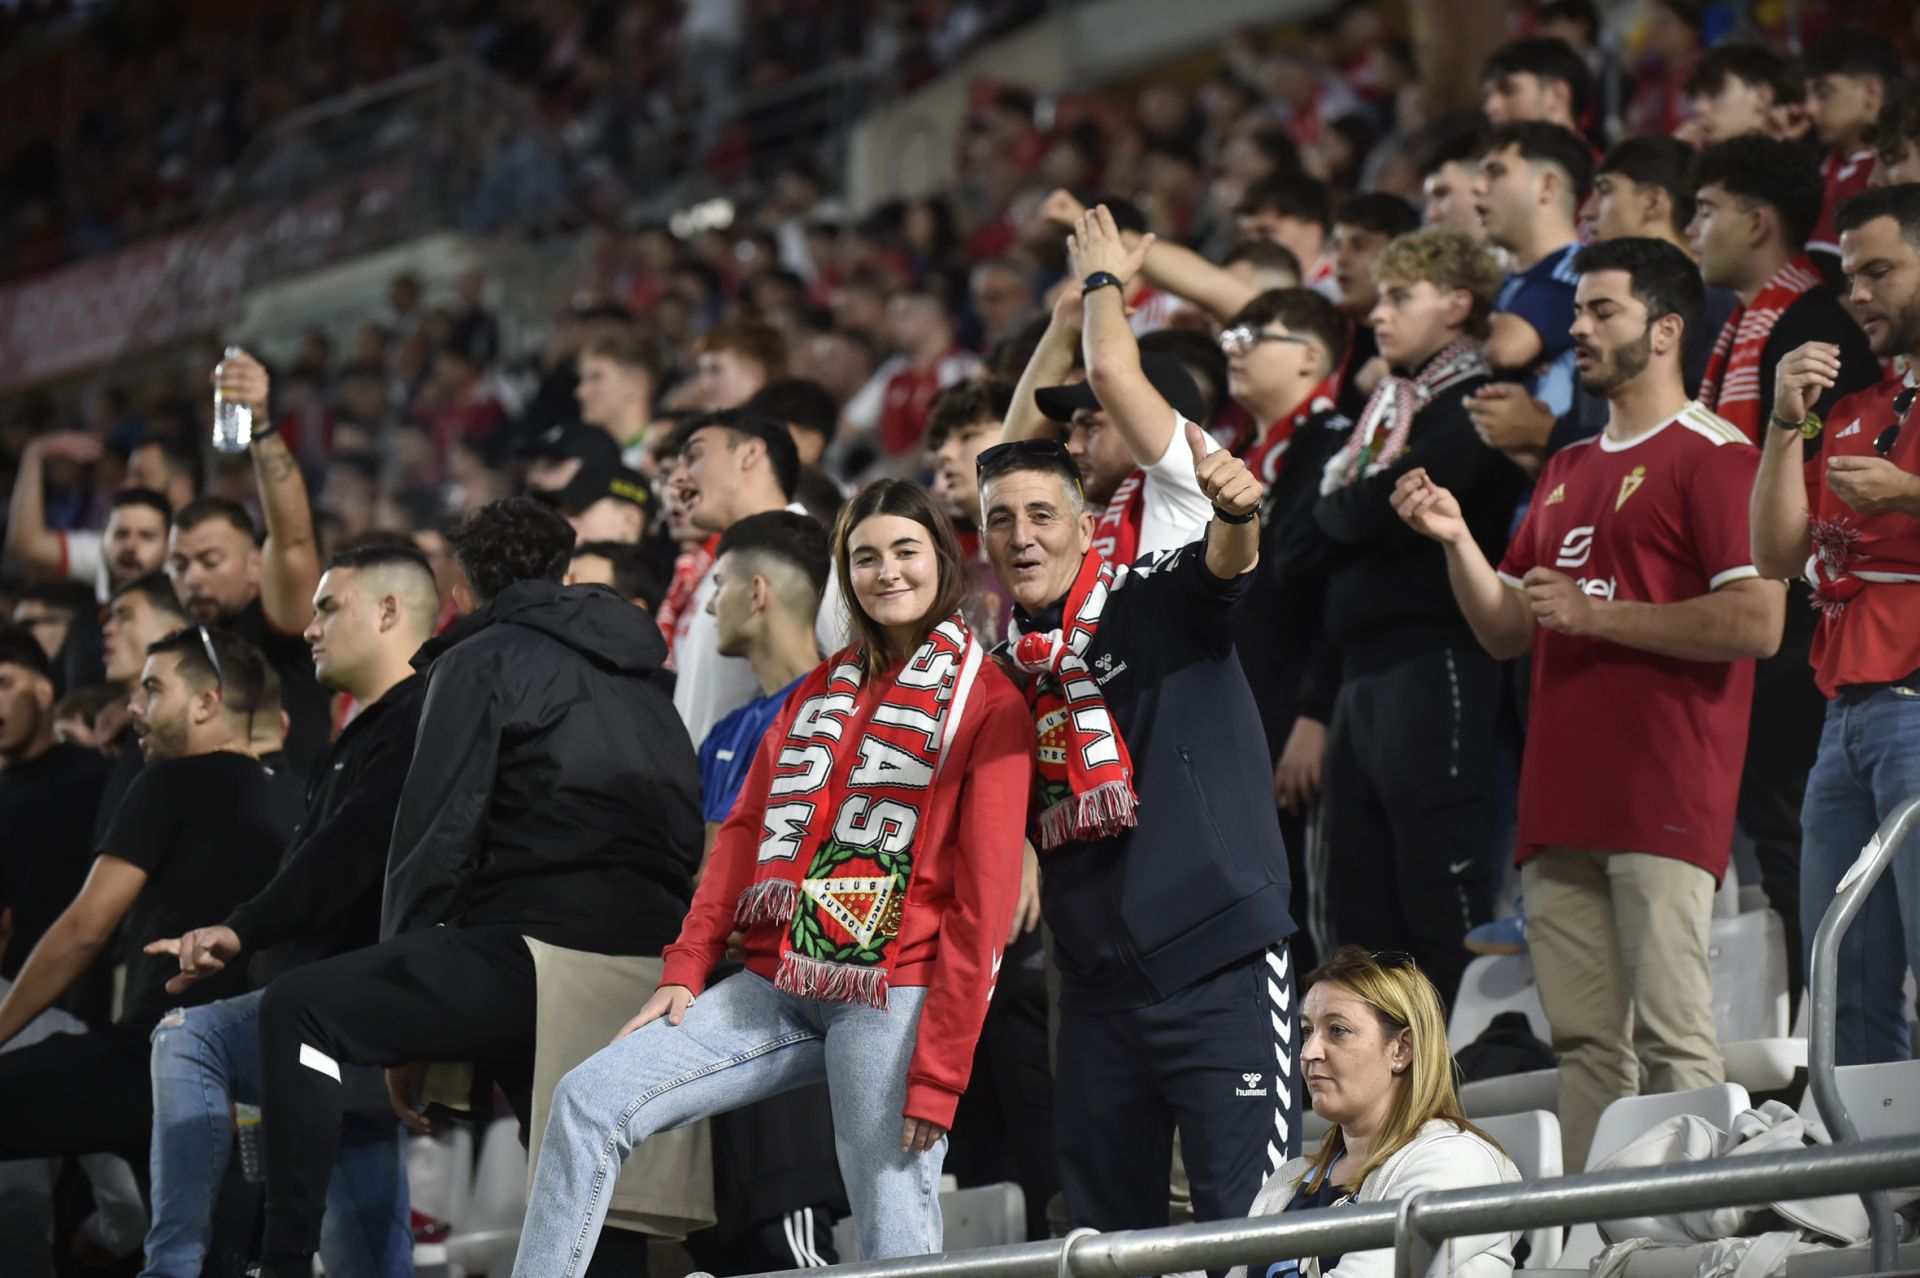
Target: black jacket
column 1201, row 882
column 1279, row 631
column 326, row 898
column 553, row 786
column 1388, row 596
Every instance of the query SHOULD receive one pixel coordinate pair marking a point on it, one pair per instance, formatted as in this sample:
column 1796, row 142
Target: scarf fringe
column 830, row 982
column 769, row 901
column 1105, row 810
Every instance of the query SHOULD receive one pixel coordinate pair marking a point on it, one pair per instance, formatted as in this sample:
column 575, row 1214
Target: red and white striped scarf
column 1731, row 386
column 1381, row 434
column 843, row 819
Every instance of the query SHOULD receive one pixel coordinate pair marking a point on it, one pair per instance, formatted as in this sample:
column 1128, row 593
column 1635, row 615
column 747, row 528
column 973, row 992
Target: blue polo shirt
column 727, row 752
column 1542, row 295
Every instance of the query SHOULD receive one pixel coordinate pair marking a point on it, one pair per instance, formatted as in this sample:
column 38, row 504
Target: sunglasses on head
column 1902, row 405
column 213, row 658
column 1392, row 959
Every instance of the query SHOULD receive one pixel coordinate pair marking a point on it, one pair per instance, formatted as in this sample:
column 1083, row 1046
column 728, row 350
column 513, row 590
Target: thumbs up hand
column 1224, row 478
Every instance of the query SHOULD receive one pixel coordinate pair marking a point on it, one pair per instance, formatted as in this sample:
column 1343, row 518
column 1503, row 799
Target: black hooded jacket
column 553, row 787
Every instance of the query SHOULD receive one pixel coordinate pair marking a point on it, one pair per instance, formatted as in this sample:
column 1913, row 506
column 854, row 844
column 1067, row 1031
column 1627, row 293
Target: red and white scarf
column 1267, row 454
column 676, row 612
column 1381, row 435
column 1086, row 774
column 1731, row 386
column 1116, row 534
column 844, row 813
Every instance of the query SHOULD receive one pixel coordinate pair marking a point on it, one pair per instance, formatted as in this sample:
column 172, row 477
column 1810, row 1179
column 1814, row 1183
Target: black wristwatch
column 1225, row 518
column 1100, row 279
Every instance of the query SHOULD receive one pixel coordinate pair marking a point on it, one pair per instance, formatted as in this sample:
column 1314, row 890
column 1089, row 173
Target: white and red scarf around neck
column 1731, row 386
column 1084, row 769
column 1381, row 434
column 844, row 817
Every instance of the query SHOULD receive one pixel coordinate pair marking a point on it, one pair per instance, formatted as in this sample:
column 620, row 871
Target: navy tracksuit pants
column 1215, row 1061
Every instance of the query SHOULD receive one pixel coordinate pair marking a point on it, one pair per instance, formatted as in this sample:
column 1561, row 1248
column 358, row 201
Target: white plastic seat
column 1626, row 1120
column 1883, row 1100
column 1739, row 949
column 487, row 1233
column 1512, row 1094
column 1492, row 984
column 1532, row 1141
column 983, row 1216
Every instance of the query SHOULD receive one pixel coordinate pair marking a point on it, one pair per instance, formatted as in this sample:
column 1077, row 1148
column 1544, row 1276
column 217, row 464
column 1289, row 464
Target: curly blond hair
column 1448, row 260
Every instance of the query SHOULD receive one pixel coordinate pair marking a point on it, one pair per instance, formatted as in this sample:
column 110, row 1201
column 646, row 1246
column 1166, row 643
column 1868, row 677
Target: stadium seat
column 1532, row 1141
column 1492, row 984
column 1739, row 948
column 1883, row 1100
column 982, row 1216
column 1626, row 1120
column 487, row 1233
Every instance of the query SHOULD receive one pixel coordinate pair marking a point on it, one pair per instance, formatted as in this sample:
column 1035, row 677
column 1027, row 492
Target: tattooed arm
column 290, row 559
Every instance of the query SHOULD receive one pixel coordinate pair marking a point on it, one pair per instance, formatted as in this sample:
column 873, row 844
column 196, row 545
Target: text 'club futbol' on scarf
column 843, row 817
column 1085, row 771
column 1731, row 386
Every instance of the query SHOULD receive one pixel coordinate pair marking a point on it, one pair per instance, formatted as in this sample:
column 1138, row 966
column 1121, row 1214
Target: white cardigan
column 1440, row 1156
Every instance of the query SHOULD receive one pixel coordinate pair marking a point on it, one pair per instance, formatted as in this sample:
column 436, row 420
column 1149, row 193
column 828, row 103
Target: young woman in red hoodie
column 873, row 859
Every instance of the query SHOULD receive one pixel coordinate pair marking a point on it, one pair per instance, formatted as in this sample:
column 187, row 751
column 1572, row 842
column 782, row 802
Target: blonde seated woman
column 1375, row 1064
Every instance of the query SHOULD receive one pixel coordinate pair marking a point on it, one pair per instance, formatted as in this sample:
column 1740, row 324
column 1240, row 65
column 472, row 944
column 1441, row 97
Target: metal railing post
column 1849, row 897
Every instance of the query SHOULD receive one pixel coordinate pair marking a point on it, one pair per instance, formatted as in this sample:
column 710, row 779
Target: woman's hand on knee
column 920, row 1136
column 670, row 1001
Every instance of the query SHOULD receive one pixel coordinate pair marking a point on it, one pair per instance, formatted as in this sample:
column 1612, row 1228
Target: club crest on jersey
column 1630, row 485
column 1558, row 495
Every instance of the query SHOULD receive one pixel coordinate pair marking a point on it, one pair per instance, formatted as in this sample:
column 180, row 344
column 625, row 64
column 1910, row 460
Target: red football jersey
column 1627, row 750
column 1865, row 567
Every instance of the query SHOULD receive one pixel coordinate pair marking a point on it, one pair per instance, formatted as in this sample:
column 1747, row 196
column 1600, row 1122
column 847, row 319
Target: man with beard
column 141, row 613
column 1632, row 581
column 1853, row 526
column 372, row 610
column 201, row 830
column 261, row 590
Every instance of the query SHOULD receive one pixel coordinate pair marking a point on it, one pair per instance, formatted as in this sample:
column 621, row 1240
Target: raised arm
column 1050, row 365
column 1782, row 529
column 1232, row 547
column 39, row 550
column 1143, row 418
column 290, row 559
column 1177, row 269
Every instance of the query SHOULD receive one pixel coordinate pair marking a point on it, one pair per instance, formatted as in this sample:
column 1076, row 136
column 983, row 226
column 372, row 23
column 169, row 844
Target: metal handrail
column 1849, row 896
column 1416, row 1226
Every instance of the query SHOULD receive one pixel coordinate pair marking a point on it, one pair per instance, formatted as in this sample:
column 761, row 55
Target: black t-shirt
column 309, row 716
column 47, row 807
column 209, row 831
column 121, row 770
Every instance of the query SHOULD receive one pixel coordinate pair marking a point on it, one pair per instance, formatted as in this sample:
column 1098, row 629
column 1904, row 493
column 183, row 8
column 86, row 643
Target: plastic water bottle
column 232, row 420
column 253, row 1154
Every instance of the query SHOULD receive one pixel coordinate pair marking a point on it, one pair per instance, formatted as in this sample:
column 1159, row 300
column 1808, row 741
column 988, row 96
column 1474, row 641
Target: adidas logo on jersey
column 1851, row 430
column 1558, row 495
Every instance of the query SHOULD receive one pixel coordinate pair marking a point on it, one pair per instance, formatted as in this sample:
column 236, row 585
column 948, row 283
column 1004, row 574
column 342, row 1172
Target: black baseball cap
column 574, row 440
column 593, row 481
column 1060, row 403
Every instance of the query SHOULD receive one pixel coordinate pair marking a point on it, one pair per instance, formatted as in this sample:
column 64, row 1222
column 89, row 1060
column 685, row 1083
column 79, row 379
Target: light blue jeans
column 741, row 1041
column 204, row 1059
column 1869, row 764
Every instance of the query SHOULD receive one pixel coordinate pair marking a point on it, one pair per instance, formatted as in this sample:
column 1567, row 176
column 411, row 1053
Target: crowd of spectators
column 128, row 119
column 1433, row 532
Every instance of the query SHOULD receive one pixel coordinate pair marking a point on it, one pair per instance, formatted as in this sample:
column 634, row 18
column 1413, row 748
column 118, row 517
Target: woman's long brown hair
column 908, row 500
